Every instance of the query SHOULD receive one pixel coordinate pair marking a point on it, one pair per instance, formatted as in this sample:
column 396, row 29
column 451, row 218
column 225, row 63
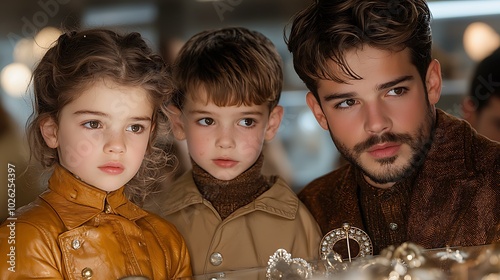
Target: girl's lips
column 225, row 163
column 384, row 151
column 112, row 168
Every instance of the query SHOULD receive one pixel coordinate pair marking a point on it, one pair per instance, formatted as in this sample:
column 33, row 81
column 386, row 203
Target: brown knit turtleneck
column 227, row 196
column 381, row 207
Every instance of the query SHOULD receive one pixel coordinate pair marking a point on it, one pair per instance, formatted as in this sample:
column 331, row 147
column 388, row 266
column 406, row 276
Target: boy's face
column 224, row 141
column 103, row 134
column 380, row 122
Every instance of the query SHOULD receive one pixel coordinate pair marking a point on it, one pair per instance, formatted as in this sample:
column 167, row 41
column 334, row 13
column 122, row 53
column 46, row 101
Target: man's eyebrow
column 340, row 95
column 349, row 95
column 395, row 82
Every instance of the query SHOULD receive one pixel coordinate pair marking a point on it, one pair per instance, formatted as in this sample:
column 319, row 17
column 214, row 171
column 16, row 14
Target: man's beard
column 419, row 144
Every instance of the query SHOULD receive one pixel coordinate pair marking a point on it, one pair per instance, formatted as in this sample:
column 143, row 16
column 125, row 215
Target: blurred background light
column 120, row 14
column 307, row 123
column 480, row 40
column 44, row 40
column 15, row 79
column 23, row 51
column 459, row 9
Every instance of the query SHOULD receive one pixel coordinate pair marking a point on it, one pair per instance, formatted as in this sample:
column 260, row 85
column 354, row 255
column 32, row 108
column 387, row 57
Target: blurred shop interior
column 464, row 32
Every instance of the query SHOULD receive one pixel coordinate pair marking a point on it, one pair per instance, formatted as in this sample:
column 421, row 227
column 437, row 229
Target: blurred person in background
column 481, row 108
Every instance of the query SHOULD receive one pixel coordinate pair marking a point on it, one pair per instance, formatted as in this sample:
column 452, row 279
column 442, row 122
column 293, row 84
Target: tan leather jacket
column 249, row 236
column 75, row 231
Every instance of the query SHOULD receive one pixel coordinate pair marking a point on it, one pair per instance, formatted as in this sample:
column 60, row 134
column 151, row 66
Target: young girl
column 96, row 117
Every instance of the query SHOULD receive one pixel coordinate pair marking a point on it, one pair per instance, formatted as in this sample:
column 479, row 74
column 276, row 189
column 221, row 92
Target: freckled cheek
column 74, row 150
column 198, row 145
column 250, row 145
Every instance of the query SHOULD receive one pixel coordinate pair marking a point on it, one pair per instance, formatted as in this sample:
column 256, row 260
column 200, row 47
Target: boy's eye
column 136, row 128
column 247, row 122
column 206, row 121
column 346, row 103
column 92, row 124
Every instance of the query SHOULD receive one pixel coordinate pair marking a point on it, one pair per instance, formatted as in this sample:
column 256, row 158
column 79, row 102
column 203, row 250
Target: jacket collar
column 77, row 202
column 451, row 144
column 278, row 200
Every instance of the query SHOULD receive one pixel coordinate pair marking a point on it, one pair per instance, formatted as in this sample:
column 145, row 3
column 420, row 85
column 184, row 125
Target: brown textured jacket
column 452, row 199
column 74, row 230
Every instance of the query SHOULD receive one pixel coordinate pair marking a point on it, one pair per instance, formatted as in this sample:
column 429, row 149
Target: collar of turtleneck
column 228, row 195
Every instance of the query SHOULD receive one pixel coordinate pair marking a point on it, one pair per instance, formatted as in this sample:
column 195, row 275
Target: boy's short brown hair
column 235, row 66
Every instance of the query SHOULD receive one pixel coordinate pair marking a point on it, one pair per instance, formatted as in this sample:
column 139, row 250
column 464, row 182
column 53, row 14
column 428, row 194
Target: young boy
column 226, row 106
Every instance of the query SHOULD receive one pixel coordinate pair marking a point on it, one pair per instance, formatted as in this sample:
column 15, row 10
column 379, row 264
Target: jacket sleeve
column 183, row 268
column 26, row 252
column 175, row 256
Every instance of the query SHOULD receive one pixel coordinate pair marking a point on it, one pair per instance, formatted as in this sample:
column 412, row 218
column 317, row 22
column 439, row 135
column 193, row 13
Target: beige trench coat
column 249, row 236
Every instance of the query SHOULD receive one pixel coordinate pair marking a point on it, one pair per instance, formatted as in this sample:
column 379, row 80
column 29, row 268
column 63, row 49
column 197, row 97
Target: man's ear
column 48, row 127
column 316, row 110
column 175, row 115
column 433, row 82
column 274, row 122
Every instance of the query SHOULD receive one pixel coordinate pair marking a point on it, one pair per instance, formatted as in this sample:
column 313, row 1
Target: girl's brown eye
column 135, row 128
column 94, row 124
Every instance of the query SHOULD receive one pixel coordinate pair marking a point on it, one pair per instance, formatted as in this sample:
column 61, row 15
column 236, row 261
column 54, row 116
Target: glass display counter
column 406, row 262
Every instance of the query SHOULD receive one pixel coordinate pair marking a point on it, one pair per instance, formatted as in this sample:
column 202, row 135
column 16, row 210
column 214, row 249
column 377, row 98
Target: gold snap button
column 76, row 244
column 87, row 273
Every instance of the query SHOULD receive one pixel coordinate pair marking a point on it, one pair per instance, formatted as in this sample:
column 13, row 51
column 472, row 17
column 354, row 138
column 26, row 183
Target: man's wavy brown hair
column 327, row 29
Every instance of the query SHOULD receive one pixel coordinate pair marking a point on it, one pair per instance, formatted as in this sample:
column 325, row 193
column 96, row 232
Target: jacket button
column 216, row 259
column 108, row 209
column 76, row 244
column 393, row 226
column 87, row 273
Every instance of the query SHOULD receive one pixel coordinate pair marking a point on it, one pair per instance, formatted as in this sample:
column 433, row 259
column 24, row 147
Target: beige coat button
column 87, row 273
column 216, row 259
